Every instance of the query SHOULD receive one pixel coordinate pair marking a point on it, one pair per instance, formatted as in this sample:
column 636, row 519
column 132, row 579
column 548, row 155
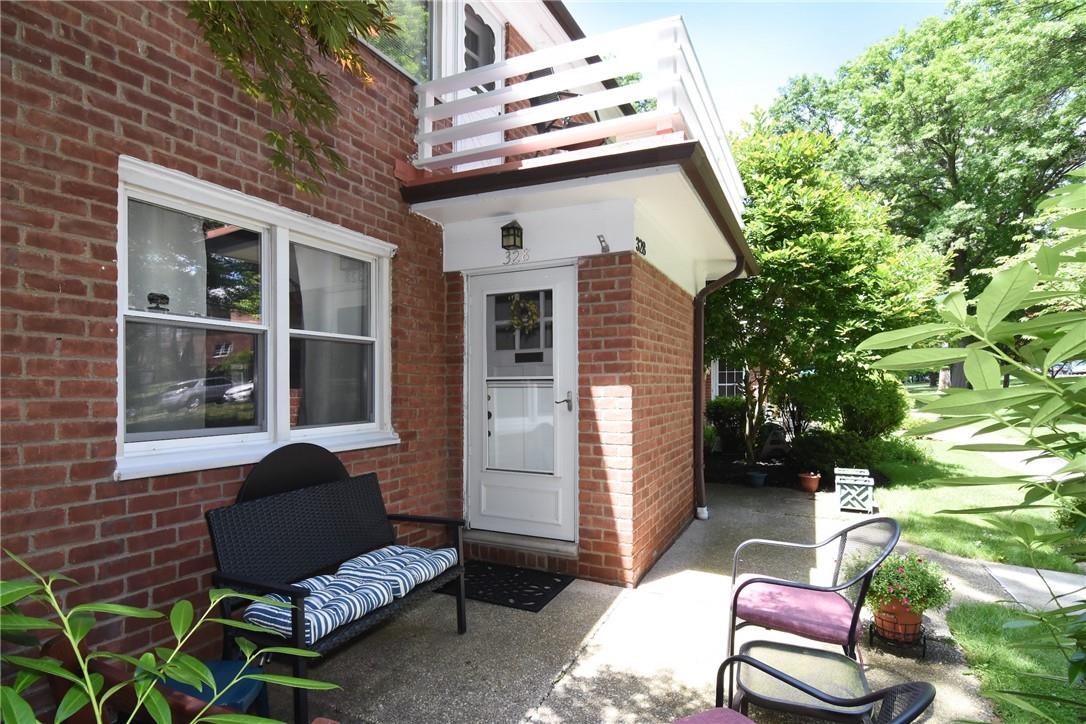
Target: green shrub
column 822, row 450
column 1071, row 515
column 894, row 449
column 806, row 399
column 709, row 434
column 726, row 413
column 873, row 406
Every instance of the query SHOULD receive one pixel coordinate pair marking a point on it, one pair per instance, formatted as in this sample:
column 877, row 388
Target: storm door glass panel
column 520, row 381
column 192, row 266
column 179, row 384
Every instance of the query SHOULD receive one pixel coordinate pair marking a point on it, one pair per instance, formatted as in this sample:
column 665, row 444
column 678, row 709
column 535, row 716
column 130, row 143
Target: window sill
column 170, row 462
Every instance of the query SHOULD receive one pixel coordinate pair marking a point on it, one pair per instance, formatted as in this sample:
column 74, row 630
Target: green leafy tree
column 1022, row 327
column 270, row 49
column 831, row 271
column 964, row 123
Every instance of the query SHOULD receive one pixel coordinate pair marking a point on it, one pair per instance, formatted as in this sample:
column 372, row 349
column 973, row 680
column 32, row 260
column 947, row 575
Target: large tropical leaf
column 1004, row 294
column 921, row 359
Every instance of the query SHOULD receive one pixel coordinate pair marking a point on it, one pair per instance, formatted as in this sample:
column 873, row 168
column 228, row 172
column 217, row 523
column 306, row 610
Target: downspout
column 702, row 510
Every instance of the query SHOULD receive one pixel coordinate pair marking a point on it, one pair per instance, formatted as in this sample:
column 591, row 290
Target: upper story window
column 244, row 325
column 411, row 48
column 480, row 42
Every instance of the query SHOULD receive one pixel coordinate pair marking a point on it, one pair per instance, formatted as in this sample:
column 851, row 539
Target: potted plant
column 902, row 589
column 808, row 482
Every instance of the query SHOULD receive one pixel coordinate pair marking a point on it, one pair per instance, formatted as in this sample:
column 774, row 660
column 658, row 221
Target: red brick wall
column 636, row 429
column 662, row 413
column 82, row 83
column 607, row 330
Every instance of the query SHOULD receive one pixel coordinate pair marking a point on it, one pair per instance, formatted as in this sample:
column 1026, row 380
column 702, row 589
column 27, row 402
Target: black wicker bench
column 264, row 546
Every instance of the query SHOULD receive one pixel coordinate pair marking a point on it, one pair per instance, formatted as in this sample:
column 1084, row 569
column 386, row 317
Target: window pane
column 329, row 292
column 410, row 47
column 331, row 383
column 519, row 335
column 185, row 264
column 177, row 384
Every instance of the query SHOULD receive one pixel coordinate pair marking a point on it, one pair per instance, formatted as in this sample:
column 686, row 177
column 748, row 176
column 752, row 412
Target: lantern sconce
column 605, row 248
column 512, row 236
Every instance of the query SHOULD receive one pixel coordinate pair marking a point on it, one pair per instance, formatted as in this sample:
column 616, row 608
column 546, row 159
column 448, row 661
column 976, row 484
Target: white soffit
column 682, row 238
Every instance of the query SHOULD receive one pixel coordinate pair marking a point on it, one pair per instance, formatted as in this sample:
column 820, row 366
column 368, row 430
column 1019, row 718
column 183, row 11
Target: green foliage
column 89, row 688
column 831, row 271
column 268, row 47
column 1013, row 329
column 965, row 122
column 872, row 405
column 726, row 413
column 822, row 450
column 1010, row 671
column 709, row 435
column 643, row 105
column 806, row 399
column 409, row 45
column 1071, row 516
column 918, row 583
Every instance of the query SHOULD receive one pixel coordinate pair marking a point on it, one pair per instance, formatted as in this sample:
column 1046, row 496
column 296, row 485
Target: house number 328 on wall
column 515, row 256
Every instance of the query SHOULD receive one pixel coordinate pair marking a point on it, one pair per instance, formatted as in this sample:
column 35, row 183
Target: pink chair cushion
column 715, row 716
column 819, row 615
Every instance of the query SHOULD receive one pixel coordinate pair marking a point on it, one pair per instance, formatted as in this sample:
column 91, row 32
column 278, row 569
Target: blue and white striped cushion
column 361, row 585
column 334, row 602
column 402, row 567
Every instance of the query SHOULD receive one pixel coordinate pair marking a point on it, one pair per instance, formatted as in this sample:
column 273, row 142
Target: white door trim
column 568, row 339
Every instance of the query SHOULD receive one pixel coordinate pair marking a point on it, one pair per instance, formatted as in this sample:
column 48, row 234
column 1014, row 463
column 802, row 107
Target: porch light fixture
column 512, row 236
column 604, row 246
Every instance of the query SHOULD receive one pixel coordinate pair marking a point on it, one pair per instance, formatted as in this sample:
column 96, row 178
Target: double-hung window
column 243, row 325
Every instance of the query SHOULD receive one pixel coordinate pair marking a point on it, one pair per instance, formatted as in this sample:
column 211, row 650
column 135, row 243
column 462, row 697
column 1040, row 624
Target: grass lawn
column 914, row 504
column 978, row 629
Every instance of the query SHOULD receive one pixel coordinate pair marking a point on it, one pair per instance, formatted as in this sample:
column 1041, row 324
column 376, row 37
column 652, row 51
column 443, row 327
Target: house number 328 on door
column 515, row 256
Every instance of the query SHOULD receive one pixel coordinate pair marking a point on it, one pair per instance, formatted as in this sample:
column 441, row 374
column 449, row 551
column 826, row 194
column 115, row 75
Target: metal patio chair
column 898, row 704
column 827, row 613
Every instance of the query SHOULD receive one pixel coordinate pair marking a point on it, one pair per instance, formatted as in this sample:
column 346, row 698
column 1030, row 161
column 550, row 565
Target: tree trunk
column 957, row 375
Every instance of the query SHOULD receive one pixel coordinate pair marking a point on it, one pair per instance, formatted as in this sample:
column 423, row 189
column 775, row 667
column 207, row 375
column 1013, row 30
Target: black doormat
column 508, row 586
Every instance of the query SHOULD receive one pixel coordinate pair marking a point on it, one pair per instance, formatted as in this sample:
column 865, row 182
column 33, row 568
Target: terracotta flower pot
column 808, row 482
column 897, row 622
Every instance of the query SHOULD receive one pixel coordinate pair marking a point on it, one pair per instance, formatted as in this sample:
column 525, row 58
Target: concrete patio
column 599, row 653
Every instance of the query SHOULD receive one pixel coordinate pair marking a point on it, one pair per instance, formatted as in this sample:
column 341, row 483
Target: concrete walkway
column 599, row 653
column 1038, row 590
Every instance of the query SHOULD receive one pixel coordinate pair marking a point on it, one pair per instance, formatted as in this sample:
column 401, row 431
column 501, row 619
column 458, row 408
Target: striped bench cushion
column 361, row 585
column 402, row 567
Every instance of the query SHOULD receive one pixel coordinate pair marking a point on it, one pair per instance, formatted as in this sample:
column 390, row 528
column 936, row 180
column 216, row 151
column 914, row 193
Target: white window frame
column 715, row 387
column 143, row 181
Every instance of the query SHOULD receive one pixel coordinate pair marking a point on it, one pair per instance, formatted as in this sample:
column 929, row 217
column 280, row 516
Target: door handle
column 568, row 402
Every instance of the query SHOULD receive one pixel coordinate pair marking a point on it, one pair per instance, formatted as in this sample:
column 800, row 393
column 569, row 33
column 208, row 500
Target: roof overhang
column 672, row 184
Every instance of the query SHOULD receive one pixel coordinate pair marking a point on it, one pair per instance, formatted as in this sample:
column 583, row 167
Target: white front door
column 522, row 402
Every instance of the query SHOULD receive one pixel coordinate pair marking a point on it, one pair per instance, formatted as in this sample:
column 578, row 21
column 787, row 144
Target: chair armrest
column 246, row 585
column 426, row 519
